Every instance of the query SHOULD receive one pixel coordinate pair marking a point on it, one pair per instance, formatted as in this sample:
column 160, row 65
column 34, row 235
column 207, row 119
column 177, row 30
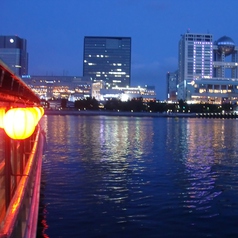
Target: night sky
column 55, row 30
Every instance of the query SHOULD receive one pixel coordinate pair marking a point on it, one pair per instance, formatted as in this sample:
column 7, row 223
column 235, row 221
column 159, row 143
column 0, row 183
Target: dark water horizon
column 106, row 176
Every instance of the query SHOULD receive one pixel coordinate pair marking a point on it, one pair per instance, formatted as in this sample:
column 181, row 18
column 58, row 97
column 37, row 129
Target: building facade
column 13, row 52
column 147, row 93
column 58, row 87
column 76, row 88
column 223, row 86
column 96, row 89
column 108, row 59
column 225, row 58
column 172, row 81
column 195, row 61
column 208, row 71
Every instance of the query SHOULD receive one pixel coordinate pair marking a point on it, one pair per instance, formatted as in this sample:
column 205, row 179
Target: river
column 112, row 176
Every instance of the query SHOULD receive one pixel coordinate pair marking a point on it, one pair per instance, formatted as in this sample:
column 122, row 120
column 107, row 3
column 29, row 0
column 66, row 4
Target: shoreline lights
column 20, row 123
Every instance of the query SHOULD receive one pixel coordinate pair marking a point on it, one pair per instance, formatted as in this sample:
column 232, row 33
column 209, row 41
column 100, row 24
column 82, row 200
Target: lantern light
column 2, row 114
column 36, row 112
column 19, row 123
column 42, row 110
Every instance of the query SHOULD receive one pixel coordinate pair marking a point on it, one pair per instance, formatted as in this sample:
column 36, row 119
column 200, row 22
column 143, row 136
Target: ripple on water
column 140, row 177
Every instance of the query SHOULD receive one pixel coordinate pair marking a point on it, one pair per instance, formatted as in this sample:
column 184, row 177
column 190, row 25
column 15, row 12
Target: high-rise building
column 208, row 71
column 172, row 81
column 13, row 52
column 195, row 60
column 108, row 59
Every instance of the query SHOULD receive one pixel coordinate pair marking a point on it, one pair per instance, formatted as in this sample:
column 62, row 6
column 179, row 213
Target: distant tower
column 172, row 81
column 108, row 59
column 195, row 61
column 13, row 53
column 225, row 58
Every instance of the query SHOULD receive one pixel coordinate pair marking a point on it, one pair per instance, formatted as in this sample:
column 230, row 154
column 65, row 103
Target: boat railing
column 22, row 186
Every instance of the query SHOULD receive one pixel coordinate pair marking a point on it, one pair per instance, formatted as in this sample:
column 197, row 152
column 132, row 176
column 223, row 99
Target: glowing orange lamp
column 36, row 112
column 2, row 114
column 42, row 111
column 19, row 123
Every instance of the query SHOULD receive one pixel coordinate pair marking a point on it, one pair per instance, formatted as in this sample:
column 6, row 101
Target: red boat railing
column 20, row 158
column 22, row 186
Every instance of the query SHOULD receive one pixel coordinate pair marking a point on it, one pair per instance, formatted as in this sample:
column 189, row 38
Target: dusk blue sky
column 55, row 30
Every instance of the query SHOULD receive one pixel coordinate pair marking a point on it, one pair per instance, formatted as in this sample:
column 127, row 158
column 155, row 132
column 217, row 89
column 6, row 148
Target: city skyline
column 55, row 32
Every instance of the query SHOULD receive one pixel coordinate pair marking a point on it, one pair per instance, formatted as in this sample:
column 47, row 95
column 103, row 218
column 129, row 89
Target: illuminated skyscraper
column 195, row 61
column 108, row 59
column 208, row 71
column 13, row 53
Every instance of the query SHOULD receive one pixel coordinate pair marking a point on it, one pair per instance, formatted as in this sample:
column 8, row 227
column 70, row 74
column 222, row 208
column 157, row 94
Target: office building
column 208, row 71
column 223, row 86
column 146, row 93
column 58, row 87
column 76, row 88
column 172, row 81
column 108, row 59
column 195, row 61
column 13, row 52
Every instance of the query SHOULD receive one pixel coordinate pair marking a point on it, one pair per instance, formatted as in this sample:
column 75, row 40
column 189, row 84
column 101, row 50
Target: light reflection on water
column 141, row 177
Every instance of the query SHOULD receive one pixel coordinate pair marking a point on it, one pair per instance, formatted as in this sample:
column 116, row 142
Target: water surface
column 106, row 176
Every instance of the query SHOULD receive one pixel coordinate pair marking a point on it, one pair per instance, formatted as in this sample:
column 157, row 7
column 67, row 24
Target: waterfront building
column 108, row 59
column 147, row 93
column 195, row 61
column 13, row 52
column 75, row 88
column 58, row 87
column 208, row 71
column 172, row 81
column 225, row 58
column 223, row 86
column 96, row 88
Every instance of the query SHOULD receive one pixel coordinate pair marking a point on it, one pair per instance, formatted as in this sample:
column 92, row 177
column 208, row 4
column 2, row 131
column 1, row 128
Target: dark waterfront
column 106, row 176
